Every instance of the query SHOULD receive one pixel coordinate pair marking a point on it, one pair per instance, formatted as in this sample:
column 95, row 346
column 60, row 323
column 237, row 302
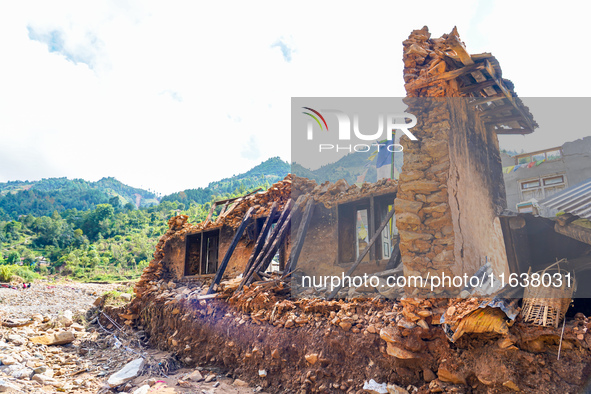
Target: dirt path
column 51, row 341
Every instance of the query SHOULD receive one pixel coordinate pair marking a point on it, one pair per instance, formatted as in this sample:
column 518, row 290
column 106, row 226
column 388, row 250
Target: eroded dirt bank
column 336, row 346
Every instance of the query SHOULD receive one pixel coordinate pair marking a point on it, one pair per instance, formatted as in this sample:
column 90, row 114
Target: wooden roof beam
column 420, row 83
column 511, row 99
column 484, row 100
column 477, row 86
column 497, row 109
column 500, row 130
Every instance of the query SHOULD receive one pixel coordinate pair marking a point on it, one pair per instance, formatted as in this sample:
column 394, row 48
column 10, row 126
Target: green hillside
column 93, row 231
column 42, row 198
column 263, row 176
column 349, row 168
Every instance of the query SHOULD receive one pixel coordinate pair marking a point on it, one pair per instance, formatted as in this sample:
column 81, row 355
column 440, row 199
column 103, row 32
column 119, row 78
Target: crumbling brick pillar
column 451, row 186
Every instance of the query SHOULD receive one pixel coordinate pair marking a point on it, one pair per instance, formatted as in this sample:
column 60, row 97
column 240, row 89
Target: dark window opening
column 201, row 257
column 193, row 254
column 354, row 231
column 356, row 228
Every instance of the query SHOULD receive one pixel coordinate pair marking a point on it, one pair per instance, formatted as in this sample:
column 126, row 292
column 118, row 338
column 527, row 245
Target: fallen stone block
column 125, row 374
column 6, row 387
column 59, row 338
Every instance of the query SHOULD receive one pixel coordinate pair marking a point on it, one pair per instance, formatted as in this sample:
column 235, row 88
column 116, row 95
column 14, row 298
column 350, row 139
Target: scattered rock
column 65, row 319
column 374, row 387
column 142, row 390
column 128, row 372
column 9, row 360
column 446, row 375
column 394, row 389
column 46, row 380
column 59, row 338
column 511, row 385
column 400, row 353
column 428, row 375
column 240, row 383
column 6, row 387
column 195, row 376
column 125, row 296
column 17, row 339
column 311, row 358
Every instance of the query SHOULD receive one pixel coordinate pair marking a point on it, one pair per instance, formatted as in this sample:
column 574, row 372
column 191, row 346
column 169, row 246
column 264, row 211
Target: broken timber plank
column 210, row 214
column 264, row 264
column 268, row 242
column 262, row 236
column 581, row 234
column 17, row 323
column 458, row 47
column 565, row 219
column 503, row 119
column 496, row 110
column 259, row 244
column 513, row 131
column 373, row 240
column 446, row 76
column 224, row 264
column 223, row 209
column 477, row 86
column 300, row 237
column 511, row 99
column 489, row 99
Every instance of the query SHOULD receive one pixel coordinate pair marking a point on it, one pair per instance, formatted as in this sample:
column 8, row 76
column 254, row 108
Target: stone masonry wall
column 446, row 207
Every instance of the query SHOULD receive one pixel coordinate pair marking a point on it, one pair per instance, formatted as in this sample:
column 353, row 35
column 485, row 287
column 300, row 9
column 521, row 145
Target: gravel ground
column 49, row 298
column 92, row 355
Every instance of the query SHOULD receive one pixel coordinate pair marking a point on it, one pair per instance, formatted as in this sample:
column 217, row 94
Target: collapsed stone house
column 444, row 215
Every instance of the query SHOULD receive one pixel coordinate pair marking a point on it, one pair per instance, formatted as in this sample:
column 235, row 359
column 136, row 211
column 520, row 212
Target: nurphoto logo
column 385, row 129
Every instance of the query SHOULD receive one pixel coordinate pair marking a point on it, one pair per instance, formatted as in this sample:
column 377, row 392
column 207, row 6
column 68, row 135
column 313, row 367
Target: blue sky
column 153, row 93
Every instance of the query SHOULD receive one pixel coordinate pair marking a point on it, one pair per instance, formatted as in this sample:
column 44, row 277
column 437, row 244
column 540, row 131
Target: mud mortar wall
column 174, row 256
column 476, row 191
column 319, row 253
column 451, row 186
column 174, row 253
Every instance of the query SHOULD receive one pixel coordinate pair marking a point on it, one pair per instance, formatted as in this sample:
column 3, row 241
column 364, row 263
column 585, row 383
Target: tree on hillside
column 96, row 222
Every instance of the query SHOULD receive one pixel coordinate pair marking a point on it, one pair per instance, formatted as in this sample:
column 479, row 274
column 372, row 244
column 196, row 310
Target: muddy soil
column 321, row 356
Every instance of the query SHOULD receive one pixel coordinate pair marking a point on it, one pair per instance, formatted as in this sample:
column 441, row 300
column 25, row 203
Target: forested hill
column 263, row 175
column 41, row 198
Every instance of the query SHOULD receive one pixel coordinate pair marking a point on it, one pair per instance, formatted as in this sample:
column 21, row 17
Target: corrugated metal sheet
column 575, row 200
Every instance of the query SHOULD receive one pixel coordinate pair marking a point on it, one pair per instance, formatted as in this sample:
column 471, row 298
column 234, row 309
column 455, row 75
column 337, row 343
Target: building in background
column 535, row 176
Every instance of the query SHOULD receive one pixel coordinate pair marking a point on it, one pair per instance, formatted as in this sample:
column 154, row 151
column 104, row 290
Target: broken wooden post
column 237, row 236
column 373, row 240
column 300, row 237
column 259, row 244
column 269, row 242
column 210, row 214
column 272, row 250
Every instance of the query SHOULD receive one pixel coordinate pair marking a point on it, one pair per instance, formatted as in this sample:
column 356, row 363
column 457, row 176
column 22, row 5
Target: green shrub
column 11, row 271
column 6, row 273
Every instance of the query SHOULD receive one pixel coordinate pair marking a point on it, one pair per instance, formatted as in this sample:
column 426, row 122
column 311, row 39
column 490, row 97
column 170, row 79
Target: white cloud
column 160, row 89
